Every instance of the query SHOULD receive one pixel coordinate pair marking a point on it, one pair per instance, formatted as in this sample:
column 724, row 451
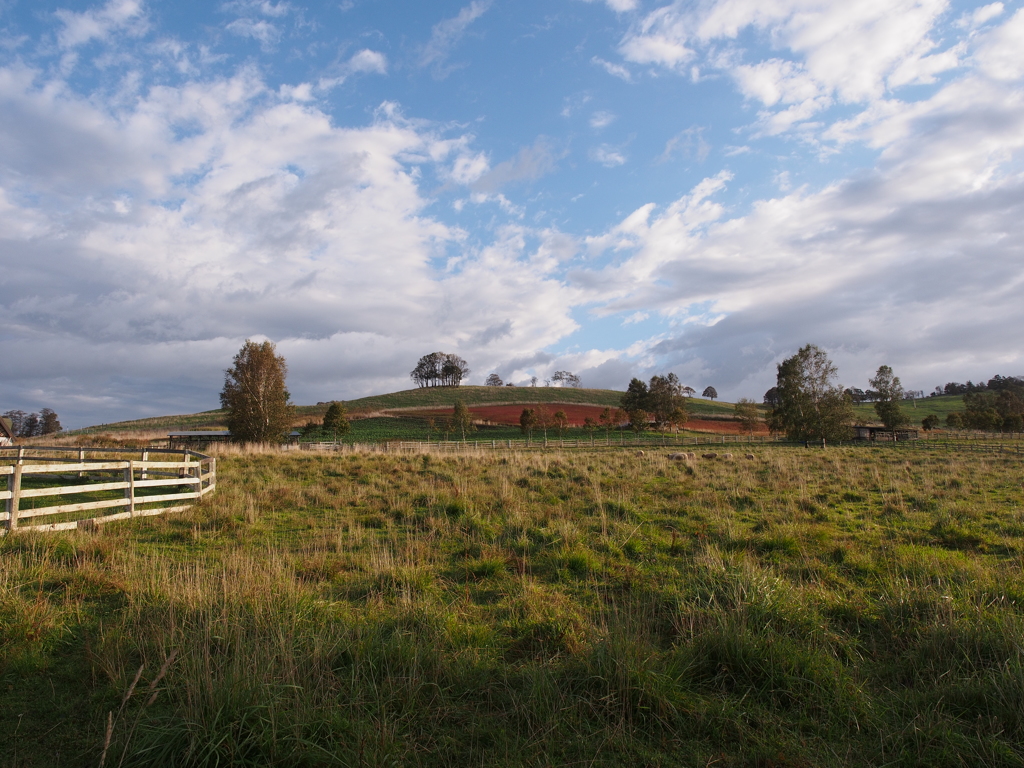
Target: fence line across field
column 105, row 473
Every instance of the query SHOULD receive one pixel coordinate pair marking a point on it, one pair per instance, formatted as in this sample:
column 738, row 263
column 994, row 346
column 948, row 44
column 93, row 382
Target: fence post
column 129, row 492
column 145, row 458
column 14, row 485
column 81, row 460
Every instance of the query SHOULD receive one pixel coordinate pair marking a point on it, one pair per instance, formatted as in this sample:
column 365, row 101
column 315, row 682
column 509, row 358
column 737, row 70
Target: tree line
column 46, row 422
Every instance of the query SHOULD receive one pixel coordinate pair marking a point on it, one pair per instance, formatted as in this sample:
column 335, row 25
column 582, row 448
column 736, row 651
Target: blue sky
column 615, row 188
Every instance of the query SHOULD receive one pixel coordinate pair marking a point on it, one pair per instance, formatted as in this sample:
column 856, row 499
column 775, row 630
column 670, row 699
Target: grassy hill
column 940, row 406
column 425, row 397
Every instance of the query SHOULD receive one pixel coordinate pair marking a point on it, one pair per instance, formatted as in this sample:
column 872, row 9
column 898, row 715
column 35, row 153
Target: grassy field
column 939, row 406
column 807, row 608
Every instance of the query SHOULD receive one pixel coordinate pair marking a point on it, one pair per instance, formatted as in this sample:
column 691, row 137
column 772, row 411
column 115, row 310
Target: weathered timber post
column 14, row 483
column 145, row 458
column 129, row 492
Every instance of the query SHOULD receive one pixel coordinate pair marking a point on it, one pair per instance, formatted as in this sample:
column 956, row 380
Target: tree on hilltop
column 440, row 369
column 255, row 396
column 710, row 392
column 494, row 380
column 567, row 379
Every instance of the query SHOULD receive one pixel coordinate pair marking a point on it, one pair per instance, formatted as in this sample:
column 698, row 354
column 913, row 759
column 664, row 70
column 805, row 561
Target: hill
column 409, row 400
column 940, row 406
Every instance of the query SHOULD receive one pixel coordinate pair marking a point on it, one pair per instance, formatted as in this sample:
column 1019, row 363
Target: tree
column 771, row 397
column 664, row 397
column 955, row 420
column 533, row 381
column 567, row 379
column 462, row 421
column 336, row 420
column 607, row 418
column 678, row 417
column 561, row 422
column 48, row 422
column 255, row 396
column 689, row 391
column 635, row 396
column 811, row 406
column 930, row 422
column 528, row 421
column 639, row 420
column 887, row 402
column 747, row 414
column 544, row 419
column 494, row 380
column 590, row 426
column 30, row 426
column 710, row 393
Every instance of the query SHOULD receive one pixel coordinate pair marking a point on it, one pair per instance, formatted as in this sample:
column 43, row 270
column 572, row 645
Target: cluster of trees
column 440, row 369
column 559, row 378
column 992, row 411
column 995, row 384
column 858, row 395
column 661, row 401
column 541, row 418
column 24, row 424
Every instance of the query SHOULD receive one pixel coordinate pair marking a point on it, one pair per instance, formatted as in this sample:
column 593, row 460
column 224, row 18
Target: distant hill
column 918, row 409
column 424, row 397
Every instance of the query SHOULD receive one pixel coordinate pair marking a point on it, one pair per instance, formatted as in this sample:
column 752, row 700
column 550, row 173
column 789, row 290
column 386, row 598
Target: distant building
column 6, row 432
column 883, row 435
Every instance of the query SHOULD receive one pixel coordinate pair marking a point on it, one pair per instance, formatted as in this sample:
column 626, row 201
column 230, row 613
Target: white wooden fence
column 187, row 476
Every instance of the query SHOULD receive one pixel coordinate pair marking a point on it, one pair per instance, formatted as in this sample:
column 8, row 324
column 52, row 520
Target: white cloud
column 363, row 62
column 608, row 156
column 615, row 70
column 601, row 119
column 620, row 6
column 98, row 24
column 1000, row 52
column 446, row 34
column 260, row 30
column 849, row 52
column 143, row 253
column 905, row 255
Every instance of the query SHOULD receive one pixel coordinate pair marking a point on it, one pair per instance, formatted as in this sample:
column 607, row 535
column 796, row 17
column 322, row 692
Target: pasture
column 850, row 606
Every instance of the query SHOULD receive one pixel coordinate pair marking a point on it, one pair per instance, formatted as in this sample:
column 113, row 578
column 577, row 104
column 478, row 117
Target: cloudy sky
column 616, row 188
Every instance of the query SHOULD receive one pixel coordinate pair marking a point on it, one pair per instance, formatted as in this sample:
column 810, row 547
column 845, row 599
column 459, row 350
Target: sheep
column 639, row 453
column 751, row 456
column 726, row 456
column 691, row 455
column 676, row 456
column 710, row 455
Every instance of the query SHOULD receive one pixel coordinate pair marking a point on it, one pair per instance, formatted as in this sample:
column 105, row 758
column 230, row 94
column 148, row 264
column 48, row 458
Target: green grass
column 809, row 608
column 939, row 406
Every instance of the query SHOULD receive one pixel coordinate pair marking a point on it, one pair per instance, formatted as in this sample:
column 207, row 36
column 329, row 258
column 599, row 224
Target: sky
column 616, row 188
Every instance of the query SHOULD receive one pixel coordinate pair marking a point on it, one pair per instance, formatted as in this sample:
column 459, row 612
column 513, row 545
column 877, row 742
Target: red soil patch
column 509, row 415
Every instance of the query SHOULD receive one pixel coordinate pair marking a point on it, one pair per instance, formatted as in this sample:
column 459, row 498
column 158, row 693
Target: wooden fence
column 43, row 472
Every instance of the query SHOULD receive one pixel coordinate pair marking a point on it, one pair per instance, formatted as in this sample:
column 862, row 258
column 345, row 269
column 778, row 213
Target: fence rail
column 98, row 471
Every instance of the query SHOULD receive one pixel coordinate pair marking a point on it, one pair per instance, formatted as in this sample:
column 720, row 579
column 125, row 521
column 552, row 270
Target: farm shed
column 881, row 434
column 6, row 432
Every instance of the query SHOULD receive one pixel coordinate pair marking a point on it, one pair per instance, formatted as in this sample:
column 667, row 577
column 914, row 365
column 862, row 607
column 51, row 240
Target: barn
column 881, row 434
column 6, row 432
